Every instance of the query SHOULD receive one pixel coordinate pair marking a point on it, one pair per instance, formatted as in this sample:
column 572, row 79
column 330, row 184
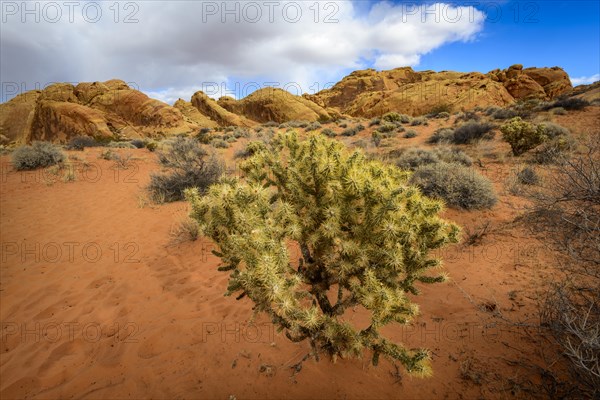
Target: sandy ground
column 101, row 299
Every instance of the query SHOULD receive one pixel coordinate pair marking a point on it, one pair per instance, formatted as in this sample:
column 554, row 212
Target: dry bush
column 566, row 211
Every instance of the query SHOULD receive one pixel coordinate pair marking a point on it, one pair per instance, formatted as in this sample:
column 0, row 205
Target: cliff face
column 112, row 109
column 369, row 93
column 101, row 109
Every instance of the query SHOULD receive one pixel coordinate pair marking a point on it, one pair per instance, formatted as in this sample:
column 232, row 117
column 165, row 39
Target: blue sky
column 174, row 48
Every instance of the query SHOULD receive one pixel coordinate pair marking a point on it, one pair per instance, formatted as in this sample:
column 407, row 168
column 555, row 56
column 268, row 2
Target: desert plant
column 551, row 151
column 392, row 117
column 328, row 132
column 522, row 135
column 120, row 145
column 528, row 176
column 351, row 131
column 441, row 135
column 189, row 165
column 138, row 143
column 411, row 133
column 570, row 103
column 204, row 136
column 419, row 121
column 38, row 155
column 375, row 121
column 566, row 214
column 377, row 137
column 559, row 111
column 441, row 110
column 457, row 185
column 504, row 113
column 552, row 130
column 313, row 127
column 414, row 157
column 362, row 232
column 219, row 143
column 81, row 142
column 472, row 131
column 386, row 128
column 151, row 145
column 466, row 117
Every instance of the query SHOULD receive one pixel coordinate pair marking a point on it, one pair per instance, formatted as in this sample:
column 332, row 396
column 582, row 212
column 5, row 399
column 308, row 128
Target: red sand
column 100, row 300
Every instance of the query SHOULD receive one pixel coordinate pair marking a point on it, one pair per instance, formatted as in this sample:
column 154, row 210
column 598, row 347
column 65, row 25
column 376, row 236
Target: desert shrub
column 570, row 103
column 38, row 155
column 343, row 124
column 298, row 124
column 189, row 166
column 120, row 145
column 441, row 135
column 359, row 127
column 328, row 132
column 400, row 129
column 377, row 137
column 152, row 145
column 350, row 131
column 558, row 111
column 270, row 124
column 204, row 136
column 219, row 143
column 566, row 215
column 528, row 176
column 248, row 150
column 313, row 126
column 138, row 143
column 362, row 231
column 375, row 121
column 241, row 132
column 419, row 121
column 491, row 110
column 392, row 117
column 466, row 116
column 472, row 131
column 551, row 151
column 441, row 110
column 522, row 135
column 413, row 158
column 411, row 133
column 81, row 142
column 386, row 128
column 552, row 130
column 504, row 113
column 457, row 185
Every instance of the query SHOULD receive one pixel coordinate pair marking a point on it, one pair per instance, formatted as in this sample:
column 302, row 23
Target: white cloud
column 176, row 46
column 585, row 80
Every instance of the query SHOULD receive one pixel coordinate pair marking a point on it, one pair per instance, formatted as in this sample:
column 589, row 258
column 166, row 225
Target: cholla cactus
column 522, row 135
column 364, row 235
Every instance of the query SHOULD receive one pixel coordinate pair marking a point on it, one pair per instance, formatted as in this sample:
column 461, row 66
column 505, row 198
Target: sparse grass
column 81, row 142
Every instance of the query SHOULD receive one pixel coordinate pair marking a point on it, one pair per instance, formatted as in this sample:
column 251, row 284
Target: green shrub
column 362, row 231
column 391, row 117
column 457, row 185
column 151, row 146
column 204, row 136
column 189, row 166
column 441, row 110
column 38, row 155
column 377, row 137
column 522, row 136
